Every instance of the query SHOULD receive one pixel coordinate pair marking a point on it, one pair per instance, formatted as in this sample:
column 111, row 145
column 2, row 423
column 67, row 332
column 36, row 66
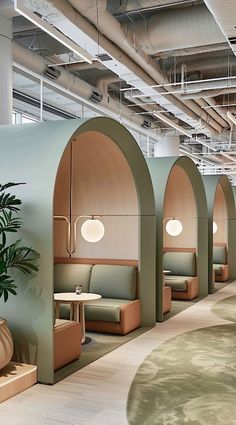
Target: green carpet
column 190, row 379
column 226, row 309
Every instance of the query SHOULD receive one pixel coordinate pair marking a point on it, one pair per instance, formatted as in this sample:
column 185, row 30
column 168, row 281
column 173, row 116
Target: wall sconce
column 92, row 230
column 173, row 227
column 215, row 227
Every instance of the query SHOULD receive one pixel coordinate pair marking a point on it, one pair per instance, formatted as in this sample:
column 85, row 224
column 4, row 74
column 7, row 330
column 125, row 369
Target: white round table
column 77, row 302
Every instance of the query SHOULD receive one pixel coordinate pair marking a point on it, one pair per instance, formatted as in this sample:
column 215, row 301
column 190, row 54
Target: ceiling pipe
column 216, row 83
column 214, row 124
column 209, row 93
column 174, row 29
column 211, row 62
column 37, row 64
column 145, row 69
column 102, row 83
column 215, row 115
column 192, row 51
column 213, row 103
column 152, row 110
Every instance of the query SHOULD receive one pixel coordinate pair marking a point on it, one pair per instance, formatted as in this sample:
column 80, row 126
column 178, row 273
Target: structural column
column 5, row 70
column 167, row 146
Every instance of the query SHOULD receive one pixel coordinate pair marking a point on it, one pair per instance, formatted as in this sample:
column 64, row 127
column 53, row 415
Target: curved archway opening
column 94, row 179
column 180, row 196
column 222, row 243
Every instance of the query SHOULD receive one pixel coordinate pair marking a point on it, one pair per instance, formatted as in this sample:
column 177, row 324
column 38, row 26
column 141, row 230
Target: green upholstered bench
column 220, row 266
column 118, row 311
column 182, row 279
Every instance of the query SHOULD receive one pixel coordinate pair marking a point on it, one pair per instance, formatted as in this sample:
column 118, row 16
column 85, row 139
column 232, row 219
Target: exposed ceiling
column 166, row 64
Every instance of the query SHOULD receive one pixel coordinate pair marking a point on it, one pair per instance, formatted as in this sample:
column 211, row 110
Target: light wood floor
column 97, row 394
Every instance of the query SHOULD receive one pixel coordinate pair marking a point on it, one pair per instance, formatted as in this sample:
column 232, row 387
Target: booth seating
column 67, row 342
column 220, row 266
column 118, row 311
column 182, row 278
column 166, row 299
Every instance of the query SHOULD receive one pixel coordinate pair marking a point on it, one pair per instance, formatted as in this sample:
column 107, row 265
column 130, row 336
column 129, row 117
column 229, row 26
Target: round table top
column 166, row 271
column 73, row 297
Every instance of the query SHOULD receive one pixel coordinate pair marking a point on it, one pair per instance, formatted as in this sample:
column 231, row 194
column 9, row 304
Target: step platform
column 15, row 378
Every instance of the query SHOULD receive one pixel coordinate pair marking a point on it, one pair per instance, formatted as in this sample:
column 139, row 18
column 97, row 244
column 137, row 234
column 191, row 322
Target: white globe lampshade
column 174, row 227
column 215, row 227
column 92, row 230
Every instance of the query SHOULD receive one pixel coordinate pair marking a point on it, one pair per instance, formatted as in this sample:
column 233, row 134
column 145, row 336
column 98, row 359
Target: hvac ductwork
column 135, row 61
column 129, row 63
column 37, row 64
column 175, row 29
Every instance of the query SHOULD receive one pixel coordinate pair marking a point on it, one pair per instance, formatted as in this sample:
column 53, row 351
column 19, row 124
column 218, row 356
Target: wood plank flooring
column 97, row 394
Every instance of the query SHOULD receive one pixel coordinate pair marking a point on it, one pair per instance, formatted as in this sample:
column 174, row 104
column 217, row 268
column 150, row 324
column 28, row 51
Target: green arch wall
column 160, row 169
column 210, row 184
column 31, row 153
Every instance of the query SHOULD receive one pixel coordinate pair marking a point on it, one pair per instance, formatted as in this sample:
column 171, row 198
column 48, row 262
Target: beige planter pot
column 6, row 344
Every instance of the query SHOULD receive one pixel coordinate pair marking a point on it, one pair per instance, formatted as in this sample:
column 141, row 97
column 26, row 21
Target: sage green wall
column 31, row 153
column 160, row 169
column 210, row 184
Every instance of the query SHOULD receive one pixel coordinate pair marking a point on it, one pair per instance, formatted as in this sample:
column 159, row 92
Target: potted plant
column 12, row 255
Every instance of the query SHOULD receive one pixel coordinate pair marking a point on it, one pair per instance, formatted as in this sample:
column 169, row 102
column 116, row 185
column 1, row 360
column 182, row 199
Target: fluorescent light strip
column 180, row 129
column 53, row 32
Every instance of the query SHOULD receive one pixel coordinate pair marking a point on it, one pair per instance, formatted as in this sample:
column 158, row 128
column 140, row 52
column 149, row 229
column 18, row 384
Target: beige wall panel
column 220, row 216
column 102, row 180
column 102, row 183
column 180, row 203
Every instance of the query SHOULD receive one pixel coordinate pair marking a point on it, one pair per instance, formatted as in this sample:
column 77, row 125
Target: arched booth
column 222, row 229
column 181, row 235
column 109, row 178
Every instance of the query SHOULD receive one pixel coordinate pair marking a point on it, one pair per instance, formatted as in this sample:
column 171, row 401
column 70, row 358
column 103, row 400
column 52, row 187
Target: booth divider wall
column 31, row 153
column 160, row 170
column 211, row 184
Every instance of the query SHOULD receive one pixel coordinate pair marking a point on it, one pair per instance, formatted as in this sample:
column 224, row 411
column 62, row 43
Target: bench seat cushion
column 219, row 255
column 105, row 309
column 180, row 263
column 178, row 283
column 113, row 281
column 66, row 276
column 217, row 269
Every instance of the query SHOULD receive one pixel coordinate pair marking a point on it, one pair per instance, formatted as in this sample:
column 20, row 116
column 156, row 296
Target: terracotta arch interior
column 96, row 173
column 180, row 203
column 220, row 216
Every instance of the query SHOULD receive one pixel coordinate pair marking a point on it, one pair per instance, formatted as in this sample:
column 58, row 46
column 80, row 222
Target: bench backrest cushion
column 66, row 276
column 219, row 255
column 180, row 263
column 113, row 281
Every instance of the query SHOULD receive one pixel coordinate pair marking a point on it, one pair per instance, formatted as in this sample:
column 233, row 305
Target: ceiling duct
column 129, row 63
column 175, row 29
